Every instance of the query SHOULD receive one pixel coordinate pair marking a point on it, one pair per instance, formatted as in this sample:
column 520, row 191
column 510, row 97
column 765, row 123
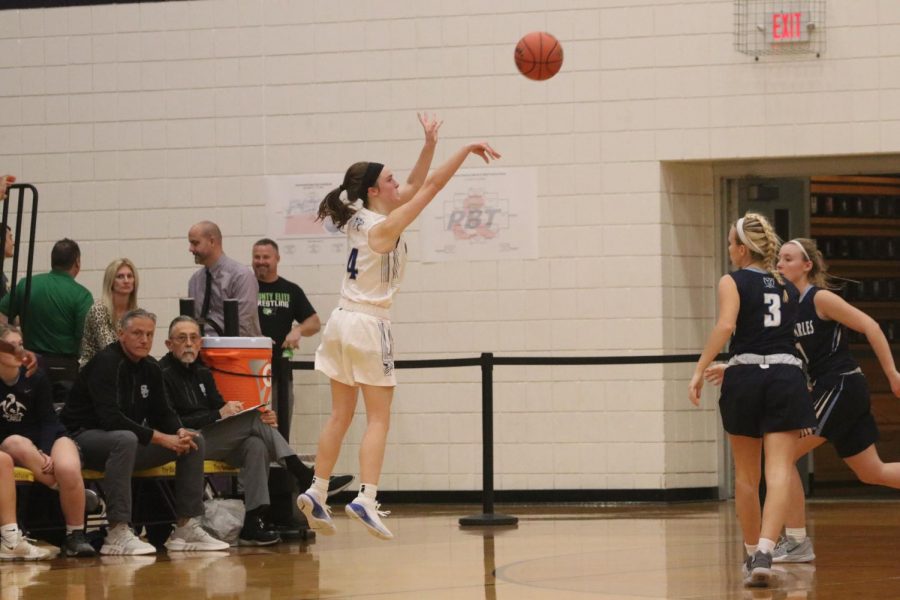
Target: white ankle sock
column 320, row 486
column 796, row 533
column 765, row 545
column 9, row 533
column 368, row 491
column 750, row 549
column 70, row 529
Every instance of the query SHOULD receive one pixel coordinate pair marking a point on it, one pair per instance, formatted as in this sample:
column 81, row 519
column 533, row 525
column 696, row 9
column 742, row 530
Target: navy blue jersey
column 823, row 343
column 765, row 322
column 26, row 409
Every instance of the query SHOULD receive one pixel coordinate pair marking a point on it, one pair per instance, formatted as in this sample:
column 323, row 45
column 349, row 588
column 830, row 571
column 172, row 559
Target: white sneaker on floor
column 23, row 549
column 192, row 537
column 120, row 540
column 366, row 512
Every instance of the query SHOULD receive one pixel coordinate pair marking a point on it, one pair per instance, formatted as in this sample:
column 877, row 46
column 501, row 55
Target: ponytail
column 818, row 275
column 338, row 203
column 333, row 207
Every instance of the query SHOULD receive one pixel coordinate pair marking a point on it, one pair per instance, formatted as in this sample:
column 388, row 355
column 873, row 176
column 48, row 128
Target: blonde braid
column 773, row 244
column 761, row 234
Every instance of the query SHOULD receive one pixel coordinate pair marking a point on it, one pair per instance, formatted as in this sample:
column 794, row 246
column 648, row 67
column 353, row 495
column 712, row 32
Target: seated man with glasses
column 118, row 415
column 249, row 440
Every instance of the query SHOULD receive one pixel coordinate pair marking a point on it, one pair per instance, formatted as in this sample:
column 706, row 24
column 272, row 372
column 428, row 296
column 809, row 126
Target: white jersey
column 371, row 278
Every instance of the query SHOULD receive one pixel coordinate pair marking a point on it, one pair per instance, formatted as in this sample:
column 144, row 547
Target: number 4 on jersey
column 351, row 264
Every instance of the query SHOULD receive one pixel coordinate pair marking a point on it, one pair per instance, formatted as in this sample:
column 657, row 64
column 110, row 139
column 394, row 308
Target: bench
column 210, row 467
column 21, row 475
column 160, row 475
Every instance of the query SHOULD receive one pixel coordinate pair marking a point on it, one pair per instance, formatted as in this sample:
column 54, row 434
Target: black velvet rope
column 437, row 363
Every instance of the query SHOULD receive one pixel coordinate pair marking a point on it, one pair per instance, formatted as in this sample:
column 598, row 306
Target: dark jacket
column 113, row 392
column 26, row 408
column 192, row 391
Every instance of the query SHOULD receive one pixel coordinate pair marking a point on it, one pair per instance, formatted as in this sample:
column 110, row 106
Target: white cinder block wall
column 137, row 120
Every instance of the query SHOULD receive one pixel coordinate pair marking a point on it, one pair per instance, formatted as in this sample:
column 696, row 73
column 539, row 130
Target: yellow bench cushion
column 210, row 467
column 218, row 467
column 22, row 475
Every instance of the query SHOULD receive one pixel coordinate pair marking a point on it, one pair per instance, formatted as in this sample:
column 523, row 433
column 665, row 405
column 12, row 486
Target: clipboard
column 255, row 407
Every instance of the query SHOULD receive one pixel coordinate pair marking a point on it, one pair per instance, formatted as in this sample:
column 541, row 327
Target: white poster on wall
column 482, row 214
column 292, row 202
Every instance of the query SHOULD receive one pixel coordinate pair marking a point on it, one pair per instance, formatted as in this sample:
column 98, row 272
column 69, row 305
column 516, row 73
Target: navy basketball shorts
column 761, row 399
column 844, row 414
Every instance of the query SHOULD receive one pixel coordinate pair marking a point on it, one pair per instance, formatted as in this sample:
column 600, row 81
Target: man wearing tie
column 220, row 278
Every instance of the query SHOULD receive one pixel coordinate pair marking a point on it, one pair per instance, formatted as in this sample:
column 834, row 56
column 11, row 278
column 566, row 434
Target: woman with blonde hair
column 120, row 287
column 765, row 403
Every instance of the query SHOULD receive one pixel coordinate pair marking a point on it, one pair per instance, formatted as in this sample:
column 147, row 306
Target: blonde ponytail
column 818, row 275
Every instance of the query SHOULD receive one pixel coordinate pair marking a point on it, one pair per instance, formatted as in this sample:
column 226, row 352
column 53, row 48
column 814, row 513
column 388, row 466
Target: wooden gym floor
column 557, row 552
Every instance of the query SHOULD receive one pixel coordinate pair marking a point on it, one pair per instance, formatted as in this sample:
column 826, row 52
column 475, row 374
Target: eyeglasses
column 183, row 338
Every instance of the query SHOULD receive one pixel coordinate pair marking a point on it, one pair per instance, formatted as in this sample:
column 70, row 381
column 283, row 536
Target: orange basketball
column 538, row 55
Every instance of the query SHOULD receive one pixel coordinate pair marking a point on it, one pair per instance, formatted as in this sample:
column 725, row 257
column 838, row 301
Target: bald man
column 223, row 278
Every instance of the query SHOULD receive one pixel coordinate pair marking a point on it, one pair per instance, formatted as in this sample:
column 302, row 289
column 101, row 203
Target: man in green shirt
column 54, row 320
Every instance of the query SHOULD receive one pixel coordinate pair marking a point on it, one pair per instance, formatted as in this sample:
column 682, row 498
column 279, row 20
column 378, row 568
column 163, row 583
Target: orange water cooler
column 241, row 367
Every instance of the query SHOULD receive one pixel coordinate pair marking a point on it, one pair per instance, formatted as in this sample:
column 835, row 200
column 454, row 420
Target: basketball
column 538, row 55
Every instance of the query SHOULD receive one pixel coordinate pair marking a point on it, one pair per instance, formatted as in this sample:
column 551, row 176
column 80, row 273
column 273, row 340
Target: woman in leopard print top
column 120, row 286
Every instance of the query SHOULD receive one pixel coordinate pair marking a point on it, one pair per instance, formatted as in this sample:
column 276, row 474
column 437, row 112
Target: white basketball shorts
column 357, row 348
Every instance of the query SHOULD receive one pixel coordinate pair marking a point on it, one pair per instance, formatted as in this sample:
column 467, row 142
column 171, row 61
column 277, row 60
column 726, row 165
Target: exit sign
column 787, row 27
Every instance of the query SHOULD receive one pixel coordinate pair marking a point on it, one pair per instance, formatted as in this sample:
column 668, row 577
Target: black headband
column 373, row 170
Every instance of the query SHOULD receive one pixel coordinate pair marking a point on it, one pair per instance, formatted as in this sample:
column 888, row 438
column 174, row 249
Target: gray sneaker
column 757, row 570
column 789, row 550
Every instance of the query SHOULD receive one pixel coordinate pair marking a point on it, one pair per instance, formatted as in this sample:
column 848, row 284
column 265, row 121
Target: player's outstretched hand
column 484, row 150
column 894, row 380
column 714, row 374
column 431, row 125
column 694, row 389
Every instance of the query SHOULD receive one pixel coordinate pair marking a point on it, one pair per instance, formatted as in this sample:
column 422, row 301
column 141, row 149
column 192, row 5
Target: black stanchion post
column 232, row 324
column 487, row 518
column 29, row 260
column 3, row 226
column 16, row 304
column 186, row 306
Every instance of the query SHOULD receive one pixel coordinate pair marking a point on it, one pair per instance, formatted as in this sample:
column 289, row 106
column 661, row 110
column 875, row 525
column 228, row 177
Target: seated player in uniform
column 33, row 437
column 13, row 544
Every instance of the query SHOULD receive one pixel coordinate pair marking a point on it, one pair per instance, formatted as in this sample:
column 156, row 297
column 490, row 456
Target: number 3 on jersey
column 773, row 318
column 351, row 265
